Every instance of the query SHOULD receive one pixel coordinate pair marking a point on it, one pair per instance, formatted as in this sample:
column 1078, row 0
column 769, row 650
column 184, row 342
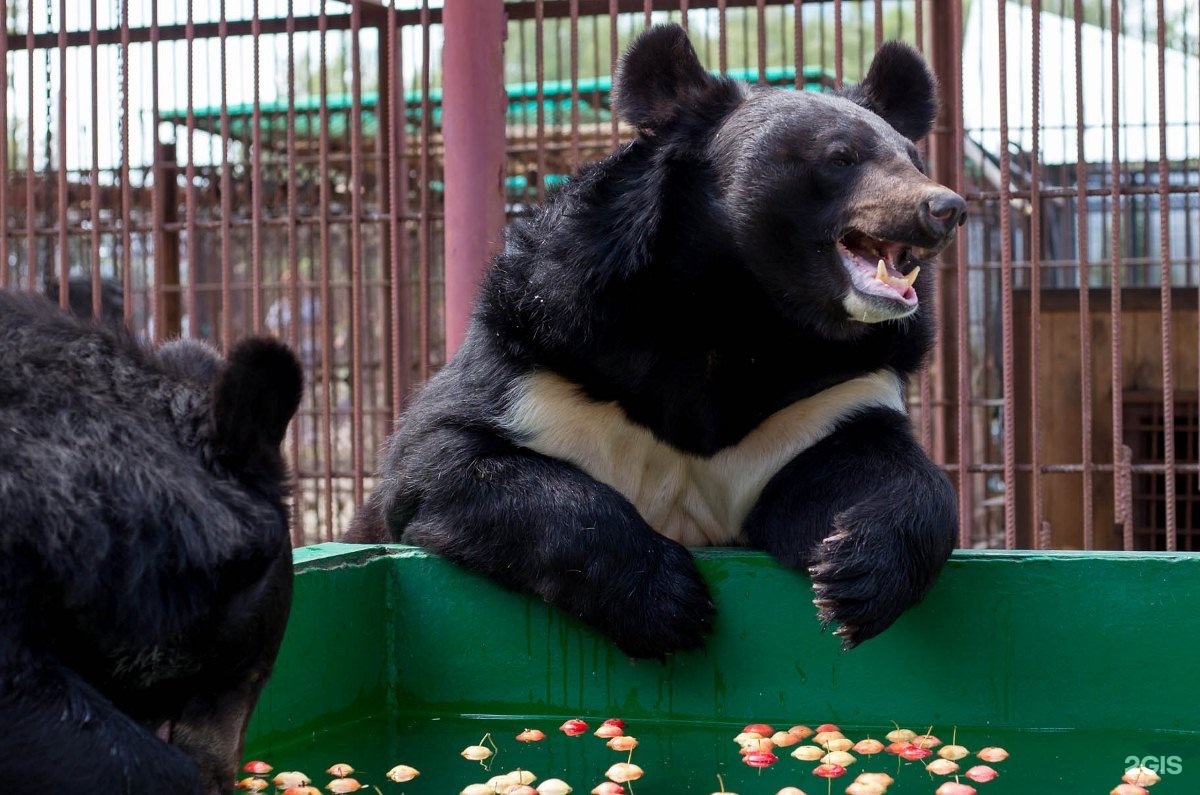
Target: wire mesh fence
column 214, row 170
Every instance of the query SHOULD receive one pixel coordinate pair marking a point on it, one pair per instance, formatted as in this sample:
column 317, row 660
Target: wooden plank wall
column 1058, row 379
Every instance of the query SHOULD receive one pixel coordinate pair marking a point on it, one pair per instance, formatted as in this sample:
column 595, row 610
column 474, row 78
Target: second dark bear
column 145, row 560
column 703, row 339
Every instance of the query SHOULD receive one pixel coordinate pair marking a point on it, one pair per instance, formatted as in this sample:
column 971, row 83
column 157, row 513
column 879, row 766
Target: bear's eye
column 842, row 158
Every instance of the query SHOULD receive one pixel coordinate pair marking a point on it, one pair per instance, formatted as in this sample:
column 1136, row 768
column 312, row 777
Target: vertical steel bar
column 1006, row 289
column 782, row 30
column 919, row 23
column 4, row 197
column 936, row 362
column 522, row 61
column 473, row 132
column 94, row 173
column 64, row 238
column 31, row 208
column 398, row 186
column 1116, row 275
column 761, row 6
column 943, row 159
column 226, row 182
column 744, row 15
column 539, row 61
column 411, row 308
column 925, row 401
column 165, row 215
column 838, row 54
column 595, row 27
column 193, row 195
column 965, row 441
column 573, row 34
column 163, row 320
column 862, row 38
column 1165, row 294
column 613, row 56
column 357, row 364
column 1085, row 322
column 722, row 38
column 798, row 43
column 377, row 301
column 424, row 241
column 126, row 188
column 296, row 315
column 256, row 195
column 326, row 312
column 1040, row 534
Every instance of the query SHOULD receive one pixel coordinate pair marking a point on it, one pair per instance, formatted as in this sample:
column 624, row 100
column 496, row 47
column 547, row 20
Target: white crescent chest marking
column 695, row 500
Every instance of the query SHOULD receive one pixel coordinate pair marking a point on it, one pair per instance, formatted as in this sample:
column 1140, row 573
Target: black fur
column 873, row 548
column 145, row 565
column 900, row 88
column 692, row 279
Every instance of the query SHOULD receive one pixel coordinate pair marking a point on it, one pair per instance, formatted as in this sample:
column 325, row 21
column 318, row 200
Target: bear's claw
column 848, row 584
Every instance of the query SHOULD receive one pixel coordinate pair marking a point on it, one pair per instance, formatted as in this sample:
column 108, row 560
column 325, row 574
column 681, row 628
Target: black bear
column 145, row 561
column 702, row 339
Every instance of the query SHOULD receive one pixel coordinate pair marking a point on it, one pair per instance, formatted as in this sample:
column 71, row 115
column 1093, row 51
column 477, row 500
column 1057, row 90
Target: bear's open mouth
column 876, row 267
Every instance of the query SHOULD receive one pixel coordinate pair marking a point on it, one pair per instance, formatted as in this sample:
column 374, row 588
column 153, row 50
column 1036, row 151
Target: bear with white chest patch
column 702, row 339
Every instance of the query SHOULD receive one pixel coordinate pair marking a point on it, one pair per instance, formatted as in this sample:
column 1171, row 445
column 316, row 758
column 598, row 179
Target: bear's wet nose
column 943, row 211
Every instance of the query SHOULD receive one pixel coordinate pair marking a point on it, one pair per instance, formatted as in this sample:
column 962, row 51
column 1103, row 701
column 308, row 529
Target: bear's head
column 203, row 708
column 823, row 196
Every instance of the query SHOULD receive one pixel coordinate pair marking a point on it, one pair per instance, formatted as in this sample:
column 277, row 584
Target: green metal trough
column 1080, row 664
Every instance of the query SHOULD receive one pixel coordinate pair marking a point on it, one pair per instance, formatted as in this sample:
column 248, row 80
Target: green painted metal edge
column 334, row 665
column 1012, row 639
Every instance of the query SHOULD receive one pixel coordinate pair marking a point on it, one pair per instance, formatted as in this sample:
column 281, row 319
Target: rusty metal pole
column 473, row 109
column 169, row 323
column 944, row 50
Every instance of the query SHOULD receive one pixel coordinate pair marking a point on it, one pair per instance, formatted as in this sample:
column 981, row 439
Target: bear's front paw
column 862, row 581
column 665, row 609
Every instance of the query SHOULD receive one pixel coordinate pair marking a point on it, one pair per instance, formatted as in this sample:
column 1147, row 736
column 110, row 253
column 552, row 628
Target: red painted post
column 473, row 108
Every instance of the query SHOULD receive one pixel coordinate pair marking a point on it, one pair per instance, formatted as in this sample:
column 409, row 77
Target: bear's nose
column 943, row 211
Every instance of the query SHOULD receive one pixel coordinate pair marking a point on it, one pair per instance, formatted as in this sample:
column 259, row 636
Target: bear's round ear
column 900, row 88
column 194, row 360
column 256, row 393
column 658, row 75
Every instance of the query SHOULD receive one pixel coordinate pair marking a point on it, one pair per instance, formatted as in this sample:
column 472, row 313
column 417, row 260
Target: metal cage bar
column 209, row 170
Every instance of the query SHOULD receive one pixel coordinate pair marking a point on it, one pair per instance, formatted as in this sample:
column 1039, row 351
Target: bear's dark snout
column 943, row 212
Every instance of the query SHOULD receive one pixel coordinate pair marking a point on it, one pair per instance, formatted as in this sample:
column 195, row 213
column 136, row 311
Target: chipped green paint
column 1006, row 639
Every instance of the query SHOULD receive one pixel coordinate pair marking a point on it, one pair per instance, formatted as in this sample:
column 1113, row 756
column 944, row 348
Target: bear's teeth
column 881, row 273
